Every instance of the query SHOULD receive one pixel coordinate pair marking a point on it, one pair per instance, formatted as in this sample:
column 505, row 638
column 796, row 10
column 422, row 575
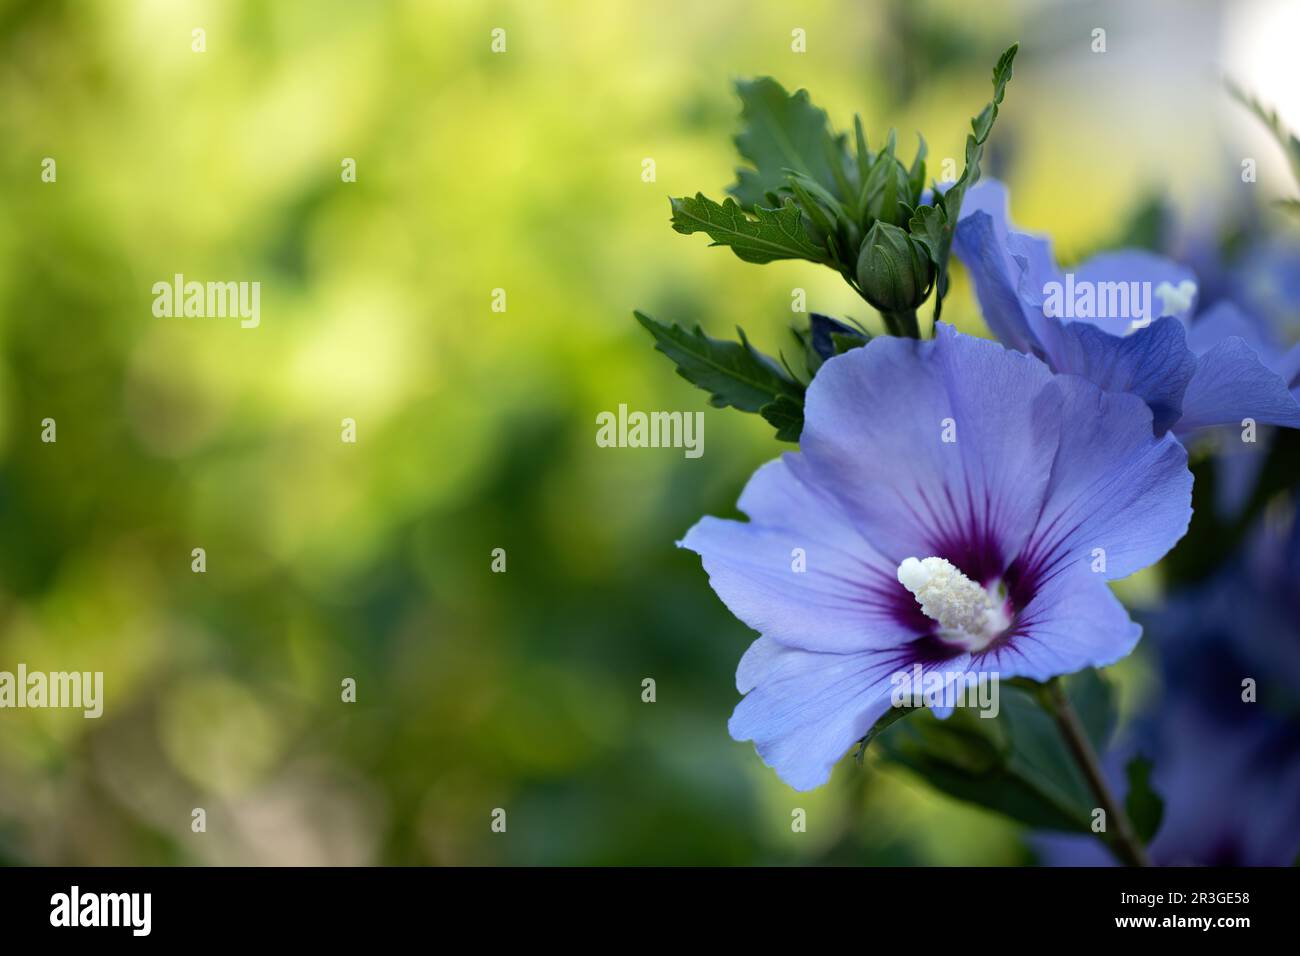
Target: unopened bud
column 894, row 271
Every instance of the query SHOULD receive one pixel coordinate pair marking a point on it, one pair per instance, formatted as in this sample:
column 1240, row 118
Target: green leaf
column 773, row 234
column 1285, row 138
column 816, row 194
column 934, row 225
column 1144, row 806
column 844, row 343
column 929, row 227
column 1147, row 226
column 833, row 225
column 1093, row 699
column 916, row 175
column 785, row 414
column 885, row 186
column 780, row 132
column 1290, row 205
column 964, row 743
column 861, row 153
column 1017, row 763
column 891, row 717
column 733, row 373
column 826, row 218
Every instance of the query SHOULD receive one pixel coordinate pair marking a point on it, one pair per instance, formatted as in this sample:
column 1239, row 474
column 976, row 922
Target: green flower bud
column 894, row 271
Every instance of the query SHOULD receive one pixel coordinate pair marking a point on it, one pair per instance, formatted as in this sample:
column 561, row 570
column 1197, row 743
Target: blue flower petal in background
column 1153, row 364
column 1241, row 372
column 1194, row 372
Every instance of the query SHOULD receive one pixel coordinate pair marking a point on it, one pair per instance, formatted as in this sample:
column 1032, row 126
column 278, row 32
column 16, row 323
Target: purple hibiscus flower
column 1124, row 320
column 954, row 506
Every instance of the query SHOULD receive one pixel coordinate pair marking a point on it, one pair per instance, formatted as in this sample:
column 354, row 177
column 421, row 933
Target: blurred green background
column 476, row 170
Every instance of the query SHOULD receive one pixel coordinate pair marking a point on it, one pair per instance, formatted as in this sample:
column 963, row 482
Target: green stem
column 908, row 324
column 1124, row 842
column 891, row 323
column 901, row 324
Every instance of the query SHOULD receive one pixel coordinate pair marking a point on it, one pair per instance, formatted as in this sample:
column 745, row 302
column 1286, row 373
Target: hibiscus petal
column 1288, row 366
column 997, row 259
column 1073, row 622
column 804, row 710
column 876, row 420
column 1153, row 363
column 1113, row 487
column 846, row 598
column 1232, row 383
column 1223, row 320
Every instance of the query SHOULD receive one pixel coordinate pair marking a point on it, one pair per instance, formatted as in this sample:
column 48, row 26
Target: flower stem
column 890, row 321
column 1124, row 842
column 902, row 323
